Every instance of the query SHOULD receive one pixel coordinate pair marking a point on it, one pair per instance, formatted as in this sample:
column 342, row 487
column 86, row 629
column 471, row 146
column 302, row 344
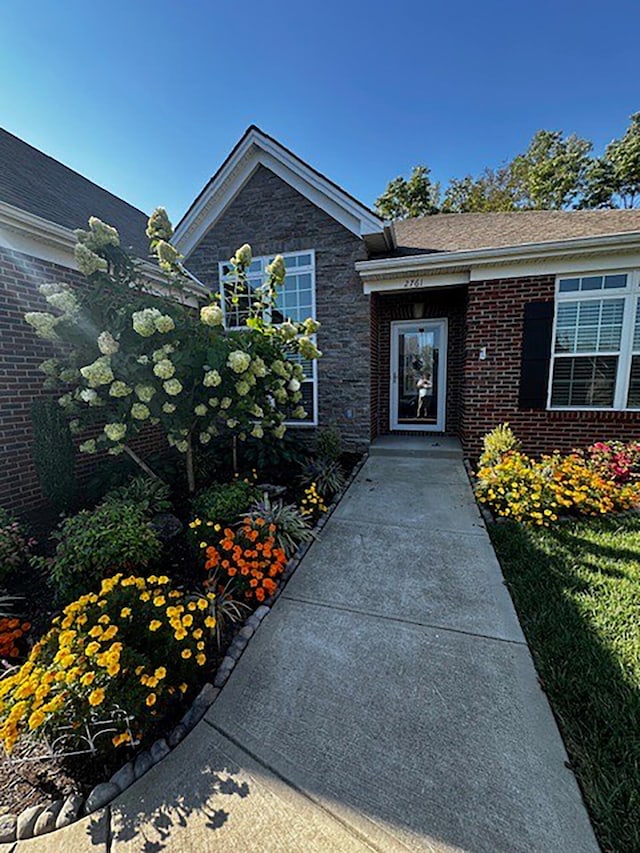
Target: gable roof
column 34, row 182
column 258, row 148
column 460, row 232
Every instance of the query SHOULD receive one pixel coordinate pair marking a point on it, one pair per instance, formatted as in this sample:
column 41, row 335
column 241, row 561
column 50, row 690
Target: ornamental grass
column 137, row 644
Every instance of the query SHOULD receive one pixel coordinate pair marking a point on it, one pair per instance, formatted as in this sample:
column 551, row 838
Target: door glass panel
column 417, row 375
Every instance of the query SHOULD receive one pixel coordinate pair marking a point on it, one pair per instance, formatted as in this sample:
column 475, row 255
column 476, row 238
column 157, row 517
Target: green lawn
column 577, row 591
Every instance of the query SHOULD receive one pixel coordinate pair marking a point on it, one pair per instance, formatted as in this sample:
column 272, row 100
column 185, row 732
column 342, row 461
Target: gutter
column 528, row 251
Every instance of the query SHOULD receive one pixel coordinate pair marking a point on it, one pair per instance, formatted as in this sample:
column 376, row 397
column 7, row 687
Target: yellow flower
column 197, row 633
column 210, row 622
column 36, row 719
column 180, row 634
column 121, row 738
column 186, row 654
column 163, row 579
column 202, row 604
column 203, row 544
column 87, row 678
column 126, row 611
column 154, row 624
column 160, row 672
column 201, row 659
column 191, row 606
column 151, row 699
column 183, row 687
column 110, row 633
column 145, row 596
column 96, row 697
column 159, row 601
column 187, row 620
column 95, row 631
column 92, row 648
column 104, row 619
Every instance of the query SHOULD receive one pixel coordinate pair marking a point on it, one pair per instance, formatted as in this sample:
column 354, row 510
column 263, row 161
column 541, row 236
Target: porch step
column 440, row 447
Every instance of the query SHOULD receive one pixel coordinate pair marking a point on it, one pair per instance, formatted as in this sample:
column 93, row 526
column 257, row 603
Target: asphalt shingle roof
column 457, row 232
column 35, row 182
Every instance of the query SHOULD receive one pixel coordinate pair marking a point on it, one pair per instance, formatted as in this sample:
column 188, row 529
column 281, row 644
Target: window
column 596, row 343
column 296, row 301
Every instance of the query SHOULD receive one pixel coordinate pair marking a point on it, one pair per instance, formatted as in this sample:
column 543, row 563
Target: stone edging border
column 43, row 819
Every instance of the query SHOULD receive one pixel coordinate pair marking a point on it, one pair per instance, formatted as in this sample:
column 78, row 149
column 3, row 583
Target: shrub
column 329, row 443
column 53, row 454
column 15, row 545
column 137, row 644
column 326, row 474
column 291, row 526
column 497, row 444
column 114, row 536
column 271, row 454
column 250, row 557
column 12, row 631
column 615, row 460
column 148, row 494
column 225, row 503
column 312, row 505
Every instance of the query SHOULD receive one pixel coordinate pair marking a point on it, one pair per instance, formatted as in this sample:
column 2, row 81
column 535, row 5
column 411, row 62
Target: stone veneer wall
column 273, row 217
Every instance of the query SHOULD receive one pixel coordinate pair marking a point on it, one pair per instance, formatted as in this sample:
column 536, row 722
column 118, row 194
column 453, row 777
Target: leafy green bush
column 497, row 443
column 53, row 454
column 327, row 474
column 149, row 495
column 291, row 527
column 136, row 644
column 224, row 503
column 15, row 545
column 268, row 453
column 329, row 443
column 97, row 543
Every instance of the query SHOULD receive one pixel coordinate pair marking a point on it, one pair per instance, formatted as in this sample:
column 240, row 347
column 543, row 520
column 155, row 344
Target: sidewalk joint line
column 350, row 829
column 403, row 621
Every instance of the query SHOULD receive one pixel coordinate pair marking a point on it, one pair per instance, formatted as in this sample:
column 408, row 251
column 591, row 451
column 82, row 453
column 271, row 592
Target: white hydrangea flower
column 119, row 389
column 145, row 392
column 140, row 412
column 288, row 331
column 88, row 261
column 276, row 269
column 88, row 446
column 50, row 367
column 115, row 432
column 159, row 225
column 200, row 410
column 211, row 315
column 294, row 385
column 279, row 431
column 296, row 396
column 43, row 323
column 280, row 369
column 88, row 395
column 257, row 411
column 164, row 324
column 258, row 367
column 50, row 288
column 66, row 401
column 143, row 359
column 243, row 256
column 75, row 427
column 211, row 379
column 107, row 344
column 213, row 402
column 242, row 388
column 64, row 300
column 116, row 450
column 144, row 322
column 169, row 408
column 299, row 413
column 167, row 255
column 172, row 386
column 225, row 402
column 204, row 437
column 69, row 374
column 164, row 369
column 238, row 361
column 232, row 423
column 280, row 394
column 310, row 326
column 308, row 349
column 98, row 372
column 257, row 431
column 182, row 446
column 101, row 234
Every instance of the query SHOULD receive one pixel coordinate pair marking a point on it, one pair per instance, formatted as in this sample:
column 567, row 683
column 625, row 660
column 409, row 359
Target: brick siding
column 21, row 351
column 273, row 217
column 495, row 320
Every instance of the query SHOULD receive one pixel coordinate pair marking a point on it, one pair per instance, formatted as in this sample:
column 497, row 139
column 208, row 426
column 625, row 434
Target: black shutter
column 536, row 355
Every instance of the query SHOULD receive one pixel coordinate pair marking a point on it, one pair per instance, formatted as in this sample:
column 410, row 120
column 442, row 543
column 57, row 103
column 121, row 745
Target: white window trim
column 305, row 269
column 631, row 295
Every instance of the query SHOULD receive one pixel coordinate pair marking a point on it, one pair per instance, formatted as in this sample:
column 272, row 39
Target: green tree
column 492, row 190
column 613, row 180
column 403, row 199
column 550, row 175
column 129, row 357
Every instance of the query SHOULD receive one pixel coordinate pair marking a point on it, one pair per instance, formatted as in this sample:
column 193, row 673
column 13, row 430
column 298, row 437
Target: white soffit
column 255, row 149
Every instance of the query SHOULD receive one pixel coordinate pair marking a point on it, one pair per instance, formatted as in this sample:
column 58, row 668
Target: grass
column 577, row 591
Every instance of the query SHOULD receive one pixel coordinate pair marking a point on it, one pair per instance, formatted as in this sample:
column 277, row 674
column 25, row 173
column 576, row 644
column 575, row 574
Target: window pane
column 593, row 282
column 568, row 284
column 633, row 401
column 636, row 331
column 615, row 280
column 589, row 326
column 584, row 381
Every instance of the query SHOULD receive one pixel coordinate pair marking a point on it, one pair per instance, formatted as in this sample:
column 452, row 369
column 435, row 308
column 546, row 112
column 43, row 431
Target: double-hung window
column 596, row 342
column 296, row 301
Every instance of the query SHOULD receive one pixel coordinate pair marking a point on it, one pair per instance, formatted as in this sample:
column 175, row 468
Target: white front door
column 418, row 375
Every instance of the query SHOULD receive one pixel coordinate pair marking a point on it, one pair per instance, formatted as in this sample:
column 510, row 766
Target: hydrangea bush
column 130, row 356
column 137, row 644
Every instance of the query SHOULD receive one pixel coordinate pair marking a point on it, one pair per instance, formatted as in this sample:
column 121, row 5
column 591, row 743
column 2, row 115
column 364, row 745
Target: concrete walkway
column 387, row 703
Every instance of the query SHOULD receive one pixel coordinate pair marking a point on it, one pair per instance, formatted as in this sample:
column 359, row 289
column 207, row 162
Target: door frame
column 396, row 327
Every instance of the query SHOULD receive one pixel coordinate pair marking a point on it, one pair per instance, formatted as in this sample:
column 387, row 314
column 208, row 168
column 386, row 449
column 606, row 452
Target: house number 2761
column 414, row 282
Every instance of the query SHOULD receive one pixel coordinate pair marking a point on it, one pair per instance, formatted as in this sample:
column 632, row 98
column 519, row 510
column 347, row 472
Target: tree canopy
column 555, row 172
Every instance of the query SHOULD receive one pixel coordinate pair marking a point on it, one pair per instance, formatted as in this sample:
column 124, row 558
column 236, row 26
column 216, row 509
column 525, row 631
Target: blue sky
column 147, row 98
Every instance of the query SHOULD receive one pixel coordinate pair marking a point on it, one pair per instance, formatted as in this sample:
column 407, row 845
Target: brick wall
column 273, row 217
column 439, row 304
column 21, row 351
column 495, row 320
